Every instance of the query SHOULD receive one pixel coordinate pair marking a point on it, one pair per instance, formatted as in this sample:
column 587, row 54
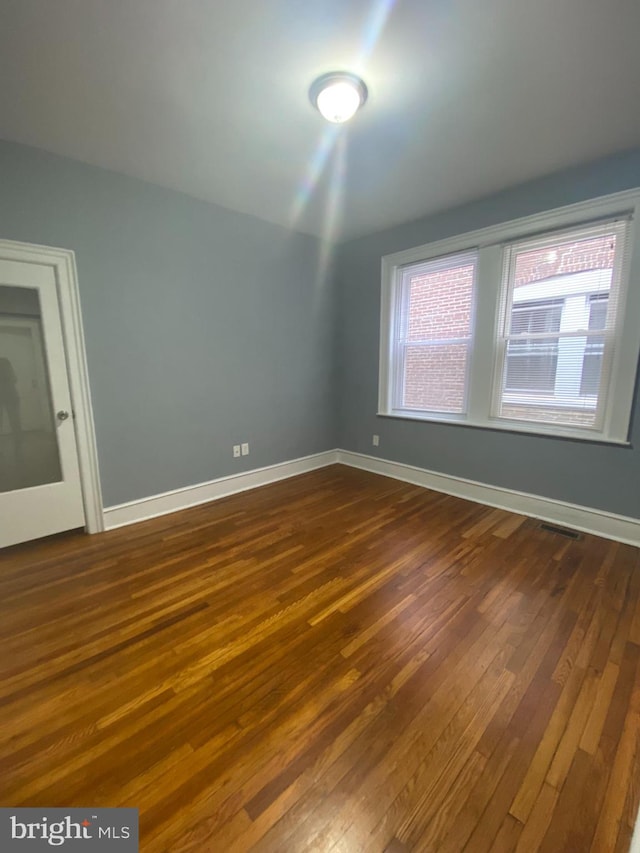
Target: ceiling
column 210, row 97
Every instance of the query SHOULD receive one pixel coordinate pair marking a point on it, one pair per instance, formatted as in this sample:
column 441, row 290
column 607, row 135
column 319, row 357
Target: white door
column 40, row 487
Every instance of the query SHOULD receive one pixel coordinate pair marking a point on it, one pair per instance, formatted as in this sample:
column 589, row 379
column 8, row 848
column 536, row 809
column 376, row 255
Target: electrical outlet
column 236, row 451
column 245, row 448
column 376, row 440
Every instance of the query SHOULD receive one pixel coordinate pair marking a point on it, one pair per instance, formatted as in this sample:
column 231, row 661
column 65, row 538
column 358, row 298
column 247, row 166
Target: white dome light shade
column 338, row 102
column 338, row 96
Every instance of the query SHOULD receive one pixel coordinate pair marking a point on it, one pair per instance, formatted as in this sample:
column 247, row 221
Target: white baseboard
column 156, row 505
column 610, row 526
column 618, row 527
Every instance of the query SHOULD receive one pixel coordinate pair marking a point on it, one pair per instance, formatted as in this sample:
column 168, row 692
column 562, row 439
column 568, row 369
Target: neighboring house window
column 532, row 362
column 594, row 350
column 520, row 333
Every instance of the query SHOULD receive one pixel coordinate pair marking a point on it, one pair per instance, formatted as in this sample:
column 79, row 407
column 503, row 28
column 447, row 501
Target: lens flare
column 325, row 150
column 374, row 29
column 333, row 211
column 316, row 167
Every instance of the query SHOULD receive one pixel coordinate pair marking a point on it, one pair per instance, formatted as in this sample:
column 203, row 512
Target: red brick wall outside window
column 439, row 316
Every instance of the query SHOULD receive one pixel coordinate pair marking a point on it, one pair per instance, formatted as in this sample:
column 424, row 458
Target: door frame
column 63, row 263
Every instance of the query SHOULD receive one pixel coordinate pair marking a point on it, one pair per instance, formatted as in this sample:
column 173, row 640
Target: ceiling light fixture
column 338, row 95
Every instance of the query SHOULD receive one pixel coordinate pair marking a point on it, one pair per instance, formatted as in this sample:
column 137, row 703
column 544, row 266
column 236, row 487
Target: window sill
column 497, row 426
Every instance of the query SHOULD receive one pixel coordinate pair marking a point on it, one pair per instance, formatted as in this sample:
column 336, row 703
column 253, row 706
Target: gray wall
column 595, row 475
column 204, row 328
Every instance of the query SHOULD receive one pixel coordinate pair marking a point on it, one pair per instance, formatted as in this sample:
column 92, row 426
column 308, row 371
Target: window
column 518, row 332
column 594, row 349
column 532, row 362
column 434, row 335
column 542, row 350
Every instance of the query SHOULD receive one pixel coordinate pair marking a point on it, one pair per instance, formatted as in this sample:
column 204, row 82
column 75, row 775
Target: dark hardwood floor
column 337, row 662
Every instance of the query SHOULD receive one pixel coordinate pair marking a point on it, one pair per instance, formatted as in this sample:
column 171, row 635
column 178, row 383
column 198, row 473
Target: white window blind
column 557, row 329
column 434, row 330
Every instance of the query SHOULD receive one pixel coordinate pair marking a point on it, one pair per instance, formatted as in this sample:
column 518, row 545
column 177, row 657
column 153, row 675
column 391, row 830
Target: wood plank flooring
column 338, row 662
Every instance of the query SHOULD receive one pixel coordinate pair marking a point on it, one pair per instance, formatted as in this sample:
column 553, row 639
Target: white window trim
column 623, row 372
